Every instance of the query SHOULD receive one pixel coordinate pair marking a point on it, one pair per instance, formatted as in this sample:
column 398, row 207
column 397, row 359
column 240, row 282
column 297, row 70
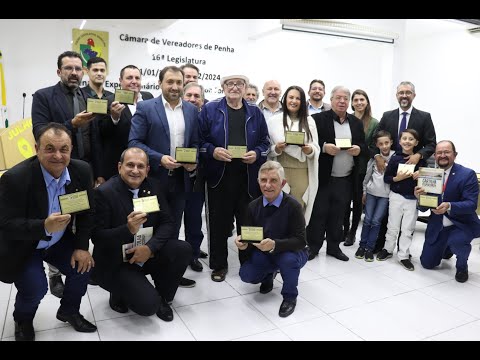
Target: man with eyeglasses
column 233, row 145
column 316, row 93
column 66, row 103
column 453, row 224
column 395, row 121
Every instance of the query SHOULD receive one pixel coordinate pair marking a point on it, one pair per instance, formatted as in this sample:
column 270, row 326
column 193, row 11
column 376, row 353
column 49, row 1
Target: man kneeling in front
column 283, row 246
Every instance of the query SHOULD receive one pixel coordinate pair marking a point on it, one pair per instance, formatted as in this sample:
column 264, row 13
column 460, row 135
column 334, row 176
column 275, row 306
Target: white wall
column 442, row 60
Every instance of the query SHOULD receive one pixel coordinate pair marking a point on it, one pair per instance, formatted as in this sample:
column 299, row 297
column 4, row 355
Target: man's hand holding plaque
column 186, row 155
column 251, row 234
column 343, row 144
column 236, row 151
column 147, row 204
column 74, row 202
column 97, row 106
column 125, row 96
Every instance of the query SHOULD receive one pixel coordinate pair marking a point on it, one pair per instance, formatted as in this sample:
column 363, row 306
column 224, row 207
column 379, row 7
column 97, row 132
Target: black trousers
column 227, row 200
column 130, row 285
column 357, row 207
column 328, row 213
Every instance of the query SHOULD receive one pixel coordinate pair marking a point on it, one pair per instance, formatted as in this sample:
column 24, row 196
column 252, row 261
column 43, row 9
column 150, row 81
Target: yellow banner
column 90, row 44
column 16, row 143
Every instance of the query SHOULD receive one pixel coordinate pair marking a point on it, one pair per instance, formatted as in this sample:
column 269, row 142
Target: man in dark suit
column 336, row 171
column 117, row 223
column 66, row 103
column 453, row 224
column 395, row 121
column 161, row 125
column 33, row 230
column 115, row 127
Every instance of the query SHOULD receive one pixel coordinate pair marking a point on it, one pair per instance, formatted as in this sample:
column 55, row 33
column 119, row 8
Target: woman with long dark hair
column 300, row 162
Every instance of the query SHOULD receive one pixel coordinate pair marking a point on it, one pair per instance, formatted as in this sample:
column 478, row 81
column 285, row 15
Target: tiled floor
column 355, row 300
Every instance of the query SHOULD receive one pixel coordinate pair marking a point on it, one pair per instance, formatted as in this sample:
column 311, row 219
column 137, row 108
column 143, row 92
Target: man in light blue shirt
column 33, row 230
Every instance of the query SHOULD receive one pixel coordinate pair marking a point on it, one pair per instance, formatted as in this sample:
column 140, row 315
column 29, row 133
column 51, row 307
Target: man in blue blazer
column 453, row 224
column 159, row 126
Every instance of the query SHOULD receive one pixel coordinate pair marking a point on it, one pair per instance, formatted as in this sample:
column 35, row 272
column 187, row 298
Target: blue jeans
column 261, row 265
column 375, row 209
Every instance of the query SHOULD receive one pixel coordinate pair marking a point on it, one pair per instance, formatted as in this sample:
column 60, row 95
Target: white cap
column 231, row 77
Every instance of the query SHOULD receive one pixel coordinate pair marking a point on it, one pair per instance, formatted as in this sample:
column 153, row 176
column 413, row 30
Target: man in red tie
column 454, row 223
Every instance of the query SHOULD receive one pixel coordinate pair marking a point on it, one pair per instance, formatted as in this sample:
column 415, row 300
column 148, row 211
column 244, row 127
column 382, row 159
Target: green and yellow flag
column 3, row 95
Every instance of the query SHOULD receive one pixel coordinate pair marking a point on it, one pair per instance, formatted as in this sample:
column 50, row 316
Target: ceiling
column 142, row 25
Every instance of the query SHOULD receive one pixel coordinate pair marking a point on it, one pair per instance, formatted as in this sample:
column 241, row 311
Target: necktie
column 78, row 135
column 403, row 126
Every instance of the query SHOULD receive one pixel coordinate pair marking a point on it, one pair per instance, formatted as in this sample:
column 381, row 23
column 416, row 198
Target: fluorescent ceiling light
column 337, row 28
column 83, row 24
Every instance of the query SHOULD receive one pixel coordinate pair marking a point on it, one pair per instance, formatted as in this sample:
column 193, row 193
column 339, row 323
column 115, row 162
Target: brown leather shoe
column 219, row 275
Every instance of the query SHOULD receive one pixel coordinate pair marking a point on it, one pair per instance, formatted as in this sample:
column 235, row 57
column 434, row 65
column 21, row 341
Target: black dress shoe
column 461, row 276
column 267, row 284
column 24, row 331
column 203, row 255
column 164, row 311
column 78, row 322
column 287, row 307
column 196, row 265
column 339, row 255
column 350, row 240
column 56, row 286
column 117, row 305
column 186, row 283
column 312, row 254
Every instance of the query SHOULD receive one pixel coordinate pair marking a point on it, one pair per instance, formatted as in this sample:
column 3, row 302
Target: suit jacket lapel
column 187, row 125
column 124, row 195
column 59, row 98
column 163, row 116
column 127, row 114
column 38, row 182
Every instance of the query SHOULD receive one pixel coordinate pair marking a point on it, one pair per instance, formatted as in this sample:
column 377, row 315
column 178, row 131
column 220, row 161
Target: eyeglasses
column 445, row 152
column 230, row 85
column 405, row 93
column 71, row 68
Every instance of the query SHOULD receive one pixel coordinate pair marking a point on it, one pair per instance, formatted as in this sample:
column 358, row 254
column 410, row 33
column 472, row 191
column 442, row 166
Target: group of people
column 246, row 171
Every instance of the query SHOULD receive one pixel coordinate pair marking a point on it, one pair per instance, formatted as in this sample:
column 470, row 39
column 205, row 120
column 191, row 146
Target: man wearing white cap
column 233, row 145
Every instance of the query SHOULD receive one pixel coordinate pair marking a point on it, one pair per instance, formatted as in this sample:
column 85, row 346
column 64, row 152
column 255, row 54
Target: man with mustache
column 453, row 224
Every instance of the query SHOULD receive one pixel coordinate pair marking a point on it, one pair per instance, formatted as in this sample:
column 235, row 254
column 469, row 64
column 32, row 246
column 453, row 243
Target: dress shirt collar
column 167, row 104
column 275, row 202
column 64, row 178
